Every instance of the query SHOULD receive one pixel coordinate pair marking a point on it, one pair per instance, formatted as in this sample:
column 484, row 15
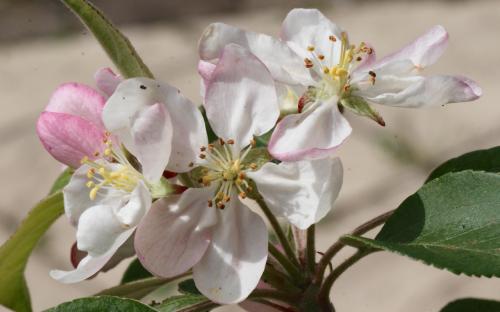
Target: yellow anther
column 84, row 159
column 90, row 184
column 253, row 166
column 326, row 70
column 108, row 152
column 93, row 193
column 102, row 171
column 90, row 173
column 310, row 48
column 321, row 57
column 243, row 195
column 332, row 38
column 226, row 198
column 116, row 174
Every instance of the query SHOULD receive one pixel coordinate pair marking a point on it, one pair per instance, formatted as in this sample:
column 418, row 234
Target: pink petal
column 107, row 81
column 175, row 233
column 315, row 133
column 423, row 51
column 69, row 138
column 151, row 132
column 241, row 99
column 236, row 257
column 78, row 100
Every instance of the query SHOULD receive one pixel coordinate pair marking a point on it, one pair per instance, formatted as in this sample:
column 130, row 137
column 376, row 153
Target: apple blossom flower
column 210, row 228
column 107, row 196
column 316, row 69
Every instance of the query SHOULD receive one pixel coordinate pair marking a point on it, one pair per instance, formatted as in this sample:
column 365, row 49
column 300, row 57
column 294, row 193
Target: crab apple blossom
column 107, row 196
column 317, row 68
column 210, row 228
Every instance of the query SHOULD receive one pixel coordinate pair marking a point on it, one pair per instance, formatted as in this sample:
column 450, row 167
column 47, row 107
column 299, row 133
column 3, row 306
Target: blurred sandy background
column 42, row 46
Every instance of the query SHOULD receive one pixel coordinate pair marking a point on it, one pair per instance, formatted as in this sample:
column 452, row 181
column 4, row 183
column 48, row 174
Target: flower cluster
column 275, row 106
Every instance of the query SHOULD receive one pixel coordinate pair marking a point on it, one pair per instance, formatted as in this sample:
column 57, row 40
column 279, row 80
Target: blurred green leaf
column 139, row 288
column 451, row 223
column 472, row 305
column 135, row 271
column 116, row 45
column 100, row 304
column 180, row 302
column 188, row 287
column 480, row 160
column 15, row 252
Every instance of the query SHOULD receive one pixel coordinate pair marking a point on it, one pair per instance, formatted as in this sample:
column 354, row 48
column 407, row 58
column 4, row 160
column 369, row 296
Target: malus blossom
column 107, row 196
column 210, row 229
column 316, row 69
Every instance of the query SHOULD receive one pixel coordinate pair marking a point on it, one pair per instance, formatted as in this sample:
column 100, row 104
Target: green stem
column 279, row 232
column 311, row 249
column 324, row 292
column 274, row 295
column 338, row 245
column 285, row 262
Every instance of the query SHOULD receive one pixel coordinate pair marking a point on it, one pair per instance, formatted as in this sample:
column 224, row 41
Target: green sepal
column 102, row 303
column 360, row 107
column 162, row 189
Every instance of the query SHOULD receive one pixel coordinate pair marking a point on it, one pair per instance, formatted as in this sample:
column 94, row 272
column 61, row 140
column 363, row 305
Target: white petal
column 76, row 195
column 423, row 51
column 241, row 99
column 426, row 92
column 283, row 63
column 176, row 232
column 303, row 192
column 107, row 81
column 90, row 265
column 138, row 204
column 133, row 95
column 309, row 27
column 312, row 134
column 99, row 228
column 151, row 131
column 235, row 259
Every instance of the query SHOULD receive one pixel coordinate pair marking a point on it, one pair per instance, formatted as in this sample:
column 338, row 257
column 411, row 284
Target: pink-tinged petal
column 303, row 192
column 430, row 91
column 241, row 100
column 78, row 100
column 89, row 265
column 367, row 59
column 107, row 81
column 236, row 257
column 151, row 132
column 303, row 28
column 424, row 51
column 175, row 233
column 283, row 63
column 69, row 138
column 134, row 95
column 312, row 134
column 136, row 207
column 205, row 69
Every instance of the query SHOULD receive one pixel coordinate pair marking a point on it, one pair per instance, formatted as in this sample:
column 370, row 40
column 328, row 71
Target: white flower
column 210, row 229
column 316, row 68
column 107, row 196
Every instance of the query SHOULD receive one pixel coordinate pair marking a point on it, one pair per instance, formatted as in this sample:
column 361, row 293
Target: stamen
column 310, row 48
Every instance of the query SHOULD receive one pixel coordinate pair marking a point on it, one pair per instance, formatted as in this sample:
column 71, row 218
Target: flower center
column 226, row 167
column 334, row 74
column 111, row 171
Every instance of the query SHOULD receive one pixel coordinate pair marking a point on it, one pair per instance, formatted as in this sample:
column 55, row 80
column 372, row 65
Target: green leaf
column 116, row 45
column 100, row 304
column 360, row 107
column 481, row 160
column 452, row 222
column 61, row 181
column 472, row 305
column 15, row 252
column 188, row 287
column 137, row 289
column 135, row 271
column 177, row 303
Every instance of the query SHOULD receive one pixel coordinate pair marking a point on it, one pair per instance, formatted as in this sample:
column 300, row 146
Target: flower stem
column 324, row 293
column 279, row 232
column 311, row 249
column 338, row 245
column 285, row 262
column 273, row 294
